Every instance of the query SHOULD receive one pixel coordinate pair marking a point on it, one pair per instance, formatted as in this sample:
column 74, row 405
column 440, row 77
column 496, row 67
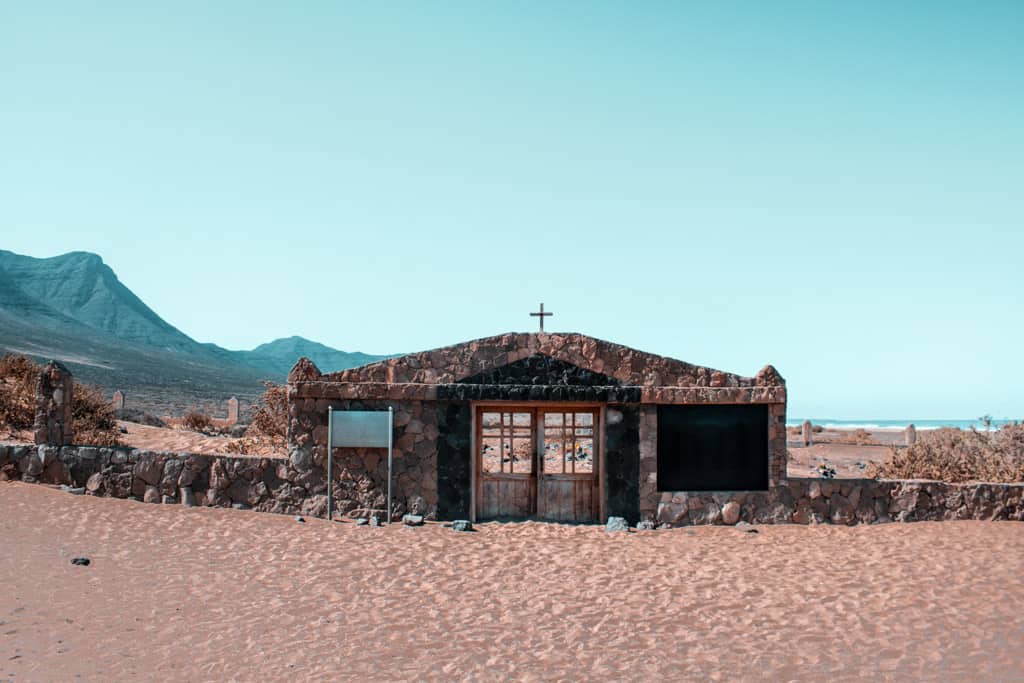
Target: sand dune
column 220, row 594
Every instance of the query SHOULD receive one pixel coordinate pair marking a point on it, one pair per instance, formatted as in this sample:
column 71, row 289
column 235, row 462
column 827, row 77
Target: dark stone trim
column 539, row 369
column 454, row 477
column 522, row 392
column 622, row 465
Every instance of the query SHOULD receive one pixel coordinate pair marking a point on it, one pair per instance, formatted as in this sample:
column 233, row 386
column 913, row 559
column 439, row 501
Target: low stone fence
column 268, row 485
column 300, row 487
column 845, row 501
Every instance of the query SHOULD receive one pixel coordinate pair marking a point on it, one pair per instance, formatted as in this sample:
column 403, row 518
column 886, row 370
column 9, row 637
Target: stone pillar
column 232, row 410
column 54, row 392
column 808, row 431
column 118, row 402
column 910, row 435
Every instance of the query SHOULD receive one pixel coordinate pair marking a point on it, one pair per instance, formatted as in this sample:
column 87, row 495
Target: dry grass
column 197, row 422
column 861, row 437
column 92, row 415
column 271, row 418
column 265, row 446
column 93, row 418
column 958, row 456
column 266, row 433
column 799, row 430
column 18, row 377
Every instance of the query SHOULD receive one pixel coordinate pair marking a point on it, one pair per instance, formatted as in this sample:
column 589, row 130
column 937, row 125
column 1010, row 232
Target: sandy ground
column 848, row 460
column 163, row 439
column 149, row 438
column 219, row 594
column 183, row 440
column 836, row 446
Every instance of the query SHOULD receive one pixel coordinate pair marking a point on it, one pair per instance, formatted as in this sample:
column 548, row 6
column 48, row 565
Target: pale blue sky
column 834, row 188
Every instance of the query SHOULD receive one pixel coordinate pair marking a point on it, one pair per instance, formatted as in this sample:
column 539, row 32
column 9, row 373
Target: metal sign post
column 358, row 429
column 330, row 459
column 391, row 431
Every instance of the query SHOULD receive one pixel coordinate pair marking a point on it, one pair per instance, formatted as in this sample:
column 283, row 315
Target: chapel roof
column 478, row 359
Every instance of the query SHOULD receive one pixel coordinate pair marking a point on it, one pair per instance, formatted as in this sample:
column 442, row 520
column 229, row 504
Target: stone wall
column 280, row 486
column 622, row 462
column 648, row 432
column 651, row 498
column 258, row 483
column 531, row 368
column 629, row 367
column 53, row 397
column 844, row 501
column 360, row 474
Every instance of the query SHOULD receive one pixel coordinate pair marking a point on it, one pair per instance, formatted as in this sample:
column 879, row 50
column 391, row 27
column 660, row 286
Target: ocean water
column 831, row 423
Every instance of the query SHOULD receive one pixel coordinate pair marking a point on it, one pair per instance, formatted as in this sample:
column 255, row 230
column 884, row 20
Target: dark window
column 713, row 448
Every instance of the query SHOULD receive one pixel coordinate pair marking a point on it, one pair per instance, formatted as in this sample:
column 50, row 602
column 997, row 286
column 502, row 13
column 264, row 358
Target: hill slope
column 75, row 309
column 280, row 355
column 80, row 286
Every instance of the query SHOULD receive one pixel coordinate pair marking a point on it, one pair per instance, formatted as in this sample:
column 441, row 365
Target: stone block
column 710, row 513
column 149, row 469
column 54, row 394
column 731, row 513
column 803, row 512
column 94, row 484
column 301, row 459
column 138, row 487
column 616, row 524
column 169, row 481
column 841, row 511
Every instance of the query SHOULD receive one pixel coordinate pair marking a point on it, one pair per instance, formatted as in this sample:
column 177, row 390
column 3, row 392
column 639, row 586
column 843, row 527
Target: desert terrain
column 848, row 451
column 836, row 447
column 217, row 594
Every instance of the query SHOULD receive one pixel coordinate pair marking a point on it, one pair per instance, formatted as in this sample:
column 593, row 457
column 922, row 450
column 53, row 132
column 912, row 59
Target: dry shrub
column 197, row 422
column 18, row 377
column 958, row 456
column 92, row 418
column 862, row 437
column 92, row 415
column 266, row 433
column 262, row 446
column 271, row 418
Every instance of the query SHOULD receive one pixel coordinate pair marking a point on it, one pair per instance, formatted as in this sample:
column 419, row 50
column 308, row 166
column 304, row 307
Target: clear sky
column 834, row 188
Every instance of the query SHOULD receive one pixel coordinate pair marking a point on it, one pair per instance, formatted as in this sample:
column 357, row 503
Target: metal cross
column 541, row 315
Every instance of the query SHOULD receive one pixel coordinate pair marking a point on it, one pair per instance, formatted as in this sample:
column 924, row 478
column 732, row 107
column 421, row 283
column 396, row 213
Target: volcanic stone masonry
column 278, row 486
column 54, row 393
column 433, row 394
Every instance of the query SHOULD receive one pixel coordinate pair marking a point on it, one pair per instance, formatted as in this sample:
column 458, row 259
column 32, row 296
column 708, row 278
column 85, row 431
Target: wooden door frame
column 475, row 408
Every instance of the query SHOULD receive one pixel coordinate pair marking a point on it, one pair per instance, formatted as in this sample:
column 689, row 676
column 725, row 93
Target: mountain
column 74, row 308
column 80, row 286
column 280, row 355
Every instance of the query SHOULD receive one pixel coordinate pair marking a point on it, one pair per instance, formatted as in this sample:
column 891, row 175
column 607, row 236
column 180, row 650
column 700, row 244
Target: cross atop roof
column 541, row 315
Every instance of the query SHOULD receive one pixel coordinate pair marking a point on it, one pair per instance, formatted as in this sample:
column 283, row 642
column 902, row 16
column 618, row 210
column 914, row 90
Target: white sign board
column 360, row 428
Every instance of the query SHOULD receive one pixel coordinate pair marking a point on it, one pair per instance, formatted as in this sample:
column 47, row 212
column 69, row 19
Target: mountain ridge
column 74, row 308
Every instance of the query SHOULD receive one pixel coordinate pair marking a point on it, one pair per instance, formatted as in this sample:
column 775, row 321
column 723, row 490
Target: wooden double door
column 537, row 462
